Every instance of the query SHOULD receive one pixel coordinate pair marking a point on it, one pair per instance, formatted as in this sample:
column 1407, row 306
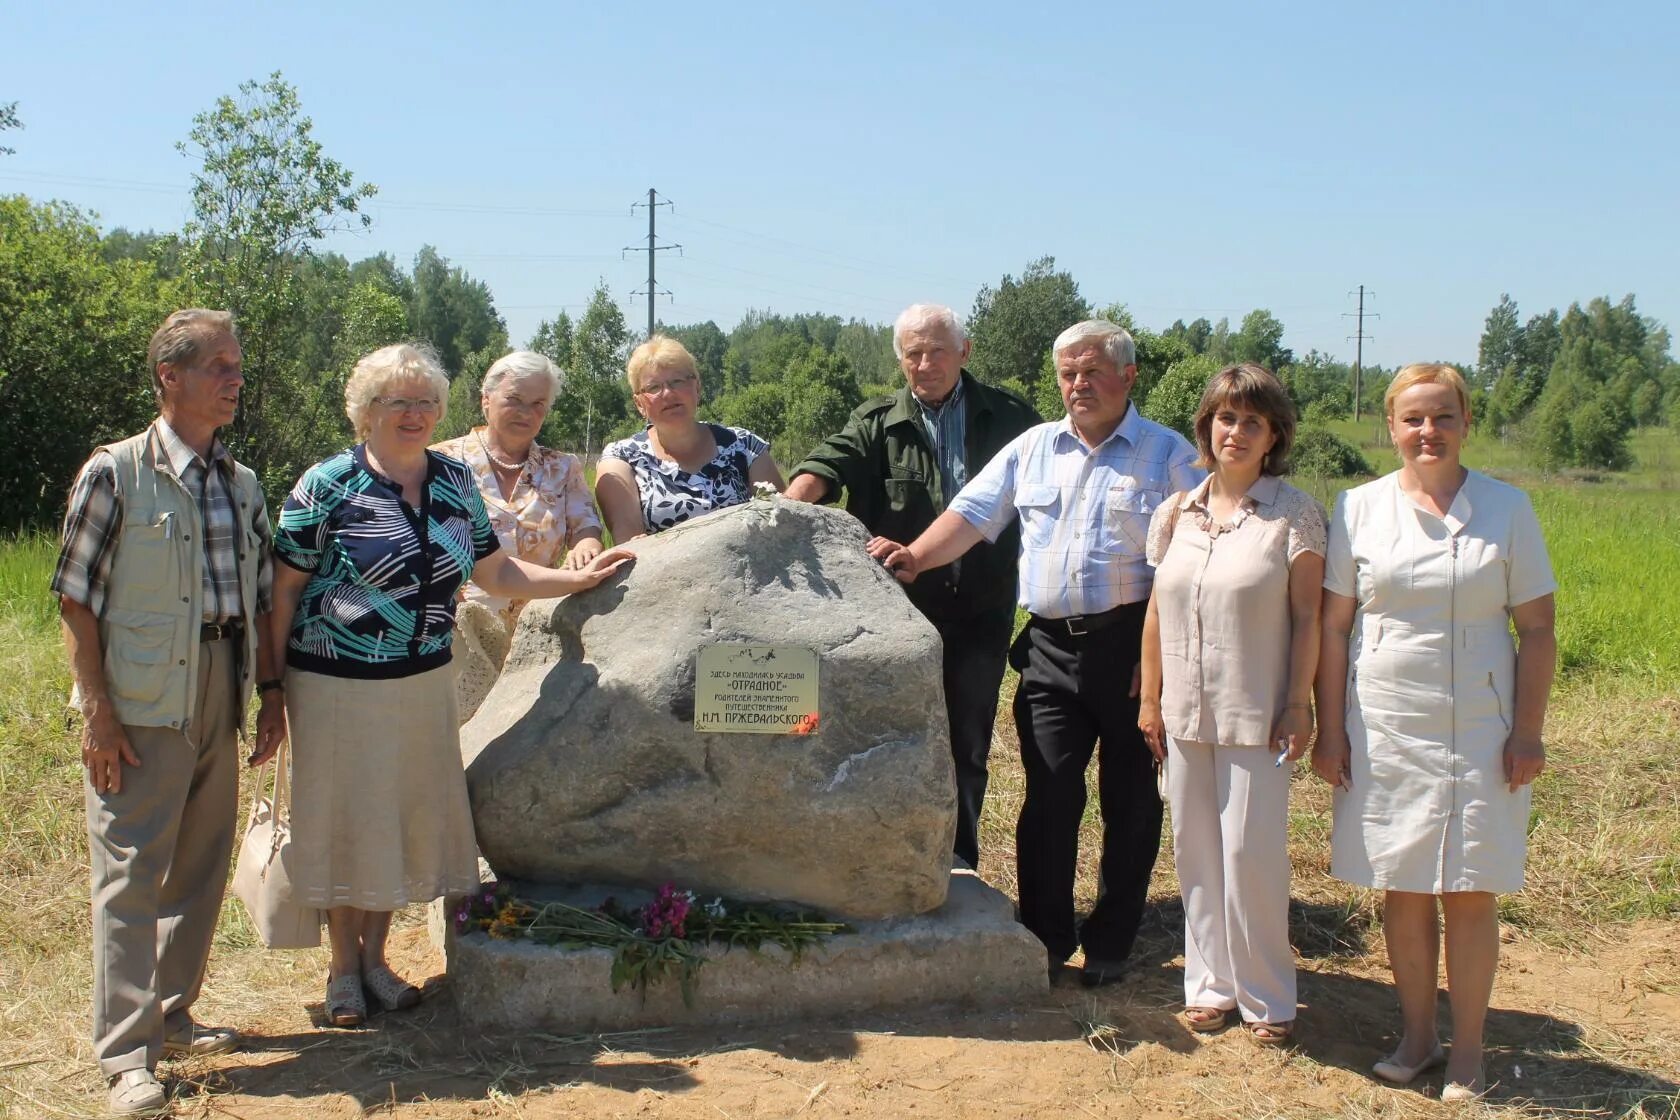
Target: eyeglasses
column 425, row 406
column 515, row 404
column 654, row 388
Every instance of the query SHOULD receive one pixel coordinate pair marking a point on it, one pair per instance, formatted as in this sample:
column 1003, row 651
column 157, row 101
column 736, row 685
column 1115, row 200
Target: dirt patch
column 1590, row 1033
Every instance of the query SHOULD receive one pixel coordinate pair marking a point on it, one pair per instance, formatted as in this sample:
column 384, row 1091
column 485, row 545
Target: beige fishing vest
column 148, row 629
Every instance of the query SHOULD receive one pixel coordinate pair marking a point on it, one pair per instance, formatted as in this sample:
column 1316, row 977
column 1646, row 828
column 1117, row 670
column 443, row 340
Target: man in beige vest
column 163, row 584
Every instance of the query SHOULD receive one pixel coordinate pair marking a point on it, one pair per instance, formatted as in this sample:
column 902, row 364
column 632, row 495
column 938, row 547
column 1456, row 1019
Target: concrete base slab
column 969, row 951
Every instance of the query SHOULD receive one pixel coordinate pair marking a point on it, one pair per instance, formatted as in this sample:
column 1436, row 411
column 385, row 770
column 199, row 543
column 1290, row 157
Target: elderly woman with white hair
column 374, row 543
column 538, row 502
column 679, row 468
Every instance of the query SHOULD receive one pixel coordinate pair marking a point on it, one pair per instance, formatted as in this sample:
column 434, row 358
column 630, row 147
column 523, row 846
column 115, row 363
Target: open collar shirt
column 95, row 517
column 946, row 424
column 1084, row 511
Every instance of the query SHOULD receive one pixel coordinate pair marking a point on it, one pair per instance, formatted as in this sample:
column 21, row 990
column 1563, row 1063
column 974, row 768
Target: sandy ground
column 1592, row 1031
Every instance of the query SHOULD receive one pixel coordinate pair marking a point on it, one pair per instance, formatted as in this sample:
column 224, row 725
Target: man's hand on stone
column 894, row 557
column 105, row 749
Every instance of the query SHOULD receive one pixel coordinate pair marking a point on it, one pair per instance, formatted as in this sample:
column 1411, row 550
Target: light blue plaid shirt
column 1084, row 511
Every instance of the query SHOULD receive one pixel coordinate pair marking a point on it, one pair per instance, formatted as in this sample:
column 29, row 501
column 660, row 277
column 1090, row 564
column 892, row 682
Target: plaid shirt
column 95, row 517
column 1084, row 511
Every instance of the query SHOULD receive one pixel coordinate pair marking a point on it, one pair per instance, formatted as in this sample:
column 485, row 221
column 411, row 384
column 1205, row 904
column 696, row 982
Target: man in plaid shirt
column 163, row 583
column 1083, row 490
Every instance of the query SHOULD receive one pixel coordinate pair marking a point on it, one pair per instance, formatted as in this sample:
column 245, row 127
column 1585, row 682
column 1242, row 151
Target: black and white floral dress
column 671, row 495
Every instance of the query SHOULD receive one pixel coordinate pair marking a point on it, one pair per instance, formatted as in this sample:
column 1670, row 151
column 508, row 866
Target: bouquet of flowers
column 651, row 942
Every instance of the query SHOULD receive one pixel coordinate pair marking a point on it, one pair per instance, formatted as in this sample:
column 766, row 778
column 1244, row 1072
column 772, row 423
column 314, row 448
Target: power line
column 1359, row 338
column 652, row 249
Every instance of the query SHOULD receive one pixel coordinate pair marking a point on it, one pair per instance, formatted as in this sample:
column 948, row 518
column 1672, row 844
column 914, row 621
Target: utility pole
column 652, row 249
column 1359, row 338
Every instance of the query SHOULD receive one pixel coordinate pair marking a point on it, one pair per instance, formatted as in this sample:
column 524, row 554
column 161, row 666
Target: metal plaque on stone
column 756, row 690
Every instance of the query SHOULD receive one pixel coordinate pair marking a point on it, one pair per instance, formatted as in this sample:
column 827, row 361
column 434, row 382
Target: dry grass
column 1587, row 1007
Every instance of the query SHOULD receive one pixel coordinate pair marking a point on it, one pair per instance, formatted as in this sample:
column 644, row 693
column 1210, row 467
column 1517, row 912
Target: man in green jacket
column 900, row 460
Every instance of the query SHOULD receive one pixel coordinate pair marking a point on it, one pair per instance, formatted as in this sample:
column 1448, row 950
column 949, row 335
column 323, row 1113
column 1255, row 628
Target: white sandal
column 390, row 991
column 345, row 1004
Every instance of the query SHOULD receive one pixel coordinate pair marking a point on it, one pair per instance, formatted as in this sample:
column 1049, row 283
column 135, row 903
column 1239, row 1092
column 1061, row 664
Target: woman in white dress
column 1428, row 570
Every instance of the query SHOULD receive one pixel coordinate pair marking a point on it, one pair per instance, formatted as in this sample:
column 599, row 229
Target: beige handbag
column 259, row 879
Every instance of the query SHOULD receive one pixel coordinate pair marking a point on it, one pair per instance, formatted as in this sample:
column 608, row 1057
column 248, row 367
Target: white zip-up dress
column 1431, row 685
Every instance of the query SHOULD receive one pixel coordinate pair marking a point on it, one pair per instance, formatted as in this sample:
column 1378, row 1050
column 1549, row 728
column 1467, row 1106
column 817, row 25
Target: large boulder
column 585, row 767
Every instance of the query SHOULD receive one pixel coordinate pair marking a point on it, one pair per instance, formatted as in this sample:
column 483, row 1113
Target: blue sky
column 1202, row 160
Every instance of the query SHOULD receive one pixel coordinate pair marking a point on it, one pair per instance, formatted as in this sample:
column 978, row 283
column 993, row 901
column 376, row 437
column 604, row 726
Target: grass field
column 1604, row 889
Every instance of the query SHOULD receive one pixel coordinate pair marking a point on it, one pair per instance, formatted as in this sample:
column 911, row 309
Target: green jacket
column 886, row 464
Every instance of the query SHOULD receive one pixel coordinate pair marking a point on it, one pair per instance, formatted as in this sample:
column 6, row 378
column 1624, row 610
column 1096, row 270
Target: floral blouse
column 548, row 512
column 671, row 495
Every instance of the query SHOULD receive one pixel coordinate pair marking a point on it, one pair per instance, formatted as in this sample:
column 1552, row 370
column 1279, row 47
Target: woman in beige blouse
column 538, row 502
column 1230, row 646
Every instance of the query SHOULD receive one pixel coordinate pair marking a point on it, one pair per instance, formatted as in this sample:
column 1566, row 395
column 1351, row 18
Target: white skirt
column 380, row 815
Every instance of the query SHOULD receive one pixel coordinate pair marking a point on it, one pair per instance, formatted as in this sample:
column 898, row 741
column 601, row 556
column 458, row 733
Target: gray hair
column 177, row 342
column 923, row 315
column 1113, row 340
column 523, row 363
column 403, row 361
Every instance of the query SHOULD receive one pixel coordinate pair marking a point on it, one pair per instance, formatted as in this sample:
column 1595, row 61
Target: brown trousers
column 159, row 852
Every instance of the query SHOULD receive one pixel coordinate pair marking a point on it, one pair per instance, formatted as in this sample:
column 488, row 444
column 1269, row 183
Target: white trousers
column 1230, row 820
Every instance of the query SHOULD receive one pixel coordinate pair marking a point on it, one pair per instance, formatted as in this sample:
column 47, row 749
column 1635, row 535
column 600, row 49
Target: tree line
column 77, row 307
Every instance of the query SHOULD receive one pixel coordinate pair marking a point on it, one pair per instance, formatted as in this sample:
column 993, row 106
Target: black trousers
column 975, row 652
column 1072, row 701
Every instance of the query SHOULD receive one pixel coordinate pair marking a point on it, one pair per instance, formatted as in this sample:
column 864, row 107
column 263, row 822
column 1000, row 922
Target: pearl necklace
column 506, row 466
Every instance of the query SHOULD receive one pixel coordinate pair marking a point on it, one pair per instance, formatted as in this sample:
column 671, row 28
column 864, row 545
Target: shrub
column 1326, row 455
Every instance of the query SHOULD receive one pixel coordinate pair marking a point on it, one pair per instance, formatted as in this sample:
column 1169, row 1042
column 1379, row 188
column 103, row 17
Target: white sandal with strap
column 390, row 991
column 345, row 1004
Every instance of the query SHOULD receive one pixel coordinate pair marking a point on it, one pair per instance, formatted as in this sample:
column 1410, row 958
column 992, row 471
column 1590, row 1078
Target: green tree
column 1174, row 400
column 554, row 339
column 1501, row 341
column 760, row 408
column 820, row 392
column 1014, row 324
column 73, row 334
column 264, row 194
column 596, row 397
column 1261, row 341
column 707, row 342
column 452, row 311
column 1156, row 353
column 867, row 348
column 9, row 120
column 1320, row 385
column 1195, row 336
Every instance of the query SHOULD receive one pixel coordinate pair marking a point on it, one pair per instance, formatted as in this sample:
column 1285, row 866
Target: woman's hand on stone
column 605, row 564
column 580, row 555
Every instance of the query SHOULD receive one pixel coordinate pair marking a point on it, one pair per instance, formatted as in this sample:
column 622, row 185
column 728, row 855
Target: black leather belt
column 216, row 631
column 1078, row 625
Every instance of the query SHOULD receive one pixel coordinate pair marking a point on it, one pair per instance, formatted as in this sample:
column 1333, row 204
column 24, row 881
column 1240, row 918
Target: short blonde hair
column 403, row 361
column 1427, row 373
column 1256, row 388
column 661, row 351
